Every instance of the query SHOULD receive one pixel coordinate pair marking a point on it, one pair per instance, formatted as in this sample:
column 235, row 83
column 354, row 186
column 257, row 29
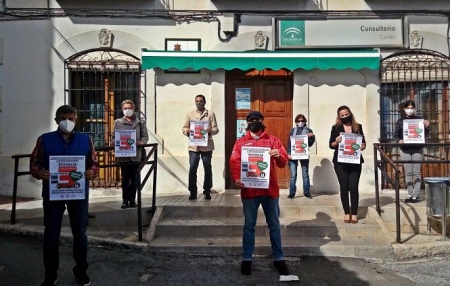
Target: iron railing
column 153, row 169
column 380, row 164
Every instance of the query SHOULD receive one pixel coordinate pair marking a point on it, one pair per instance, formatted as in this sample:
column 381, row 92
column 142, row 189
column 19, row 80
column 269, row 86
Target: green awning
column 275, row 60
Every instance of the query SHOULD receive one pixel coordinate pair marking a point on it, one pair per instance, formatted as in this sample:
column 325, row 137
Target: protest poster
column 125, row 143
column 255, row 167
column 350, row 148
column 413, row 131
column 199, row 134
column 299, row 147
column 67, row 181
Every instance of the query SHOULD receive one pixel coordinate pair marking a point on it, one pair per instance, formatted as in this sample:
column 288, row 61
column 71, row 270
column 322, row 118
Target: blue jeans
column 305, row 174
column 271, row 210
column 194, row 159
column 53, row 216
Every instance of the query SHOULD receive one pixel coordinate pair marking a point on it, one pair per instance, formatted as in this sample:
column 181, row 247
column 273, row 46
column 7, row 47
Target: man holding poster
column 72, row 156
column 252, row 164
column 199, row 126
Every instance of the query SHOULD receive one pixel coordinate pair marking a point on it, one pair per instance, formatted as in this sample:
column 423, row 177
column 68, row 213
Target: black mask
column 255, row 126
column 346, row 120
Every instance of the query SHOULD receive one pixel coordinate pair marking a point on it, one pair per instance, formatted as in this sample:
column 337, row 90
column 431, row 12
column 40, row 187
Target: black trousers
column 348, row 176
column 129, row 181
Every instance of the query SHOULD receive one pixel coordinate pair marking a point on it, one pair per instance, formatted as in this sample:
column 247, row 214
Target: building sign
column 372, row 33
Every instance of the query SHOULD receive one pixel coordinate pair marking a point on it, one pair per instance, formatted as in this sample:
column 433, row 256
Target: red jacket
column 265, row 140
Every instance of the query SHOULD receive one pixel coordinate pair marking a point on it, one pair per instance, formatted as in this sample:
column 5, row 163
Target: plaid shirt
column 37, row 157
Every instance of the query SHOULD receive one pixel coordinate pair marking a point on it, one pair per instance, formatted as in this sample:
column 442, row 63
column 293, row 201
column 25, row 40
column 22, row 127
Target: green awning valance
column 275, row 60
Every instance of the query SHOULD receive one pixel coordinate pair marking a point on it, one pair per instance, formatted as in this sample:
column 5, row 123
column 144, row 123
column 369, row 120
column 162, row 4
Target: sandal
column 347, row 218
column 354, row 219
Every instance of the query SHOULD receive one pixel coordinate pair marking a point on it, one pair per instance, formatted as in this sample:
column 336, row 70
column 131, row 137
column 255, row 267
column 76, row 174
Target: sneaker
column 246, row 267
column 83, row 279
column 207, row 196
column 281, row 267
column 124, row 206
column 291, row 196
column 133, row 204
column 193, row 196
column 308, row 195
column 414, row 200
column 50, row 281
column 408, row 199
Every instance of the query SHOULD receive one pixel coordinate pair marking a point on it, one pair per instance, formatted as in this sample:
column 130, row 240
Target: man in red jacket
column 252, row 197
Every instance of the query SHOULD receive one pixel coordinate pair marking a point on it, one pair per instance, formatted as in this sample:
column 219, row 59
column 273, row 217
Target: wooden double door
column 269, row 92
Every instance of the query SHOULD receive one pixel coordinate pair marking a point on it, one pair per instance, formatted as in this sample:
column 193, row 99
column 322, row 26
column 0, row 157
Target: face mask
column 66, row 126
column 128, row 112
column 346, row 120
column 409, row 111
column 300, row 124
column 255, row 126
column 200, row 105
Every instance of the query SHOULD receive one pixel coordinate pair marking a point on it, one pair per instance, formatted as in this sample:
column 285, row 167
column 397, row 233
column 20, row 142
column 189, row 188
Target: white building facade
column 162, row 54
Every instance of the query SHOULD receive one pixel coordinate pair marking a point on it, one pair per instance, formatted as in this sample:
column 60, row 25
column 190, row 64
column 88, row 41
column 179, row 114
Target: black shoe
column 308, row 195
column 281, row 267
column 207, row 196
column 50, row 281
column 414, row 200
column 124, row 205
column 246, row 268
column 193, row 196
column 133, row 204
column 291, row 196
column 408, row 200
column 83, row 280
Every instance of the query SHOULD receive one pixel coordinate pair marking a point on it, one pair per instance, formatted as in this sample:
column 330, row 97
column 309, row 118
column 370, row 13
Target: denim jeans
column 129, row 180
column 194, row 159
column 271, row 210
column 305, row 175
column 53, row 216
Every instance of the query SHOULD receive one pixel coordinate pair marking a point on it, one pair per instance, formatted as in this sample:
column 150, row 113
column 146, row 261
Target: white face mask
column 409, row 111
column 128, row 112
column 66, row 126
column 300, row 124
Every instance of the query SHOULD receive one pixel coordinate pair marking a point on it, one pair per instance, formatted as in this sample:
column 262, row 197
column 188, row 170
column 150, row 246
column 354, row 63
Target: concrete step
column 375, row 247
column 290, row 227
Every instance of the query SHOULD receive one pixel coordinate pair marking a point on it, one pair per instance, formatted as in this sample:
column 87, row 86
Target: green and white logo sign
column 292, row 33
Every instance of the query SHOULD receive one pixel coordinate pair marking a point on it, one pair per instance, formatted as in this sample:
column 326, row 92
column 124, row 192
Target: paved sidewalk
column 29, row 218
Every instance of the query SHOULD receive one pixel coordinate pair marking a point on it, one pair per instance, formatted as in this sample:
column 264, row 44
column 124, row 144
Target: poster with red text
column 350, row 148
column 199, row 134
column 125, row 143
column 299, row 147
column 413, row 131
column 67, row 181
column 255, row 167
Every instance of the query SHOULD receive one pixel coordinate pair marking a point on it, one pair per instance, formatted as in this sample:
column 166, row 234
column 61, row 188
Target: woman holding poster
column 408, row 132
column 347, row 172
column 299, row 141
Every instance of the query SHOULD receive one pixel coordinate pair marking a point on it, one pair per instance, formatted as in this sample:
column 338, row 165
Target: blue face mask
column 300, row 124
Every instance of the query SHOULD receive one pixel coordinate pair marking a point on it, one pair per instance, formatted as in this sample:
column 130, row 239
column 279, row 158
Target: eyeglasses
column 300, row 121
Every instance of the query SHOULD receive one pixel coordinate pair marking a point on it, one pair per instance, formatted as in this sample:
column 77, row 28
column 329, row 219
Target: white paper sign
column 255, row 167
column 198, row 135
column 125, row 143
column 413, row 131
column 350, row 148
column 67, row 181
column 299, row 147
